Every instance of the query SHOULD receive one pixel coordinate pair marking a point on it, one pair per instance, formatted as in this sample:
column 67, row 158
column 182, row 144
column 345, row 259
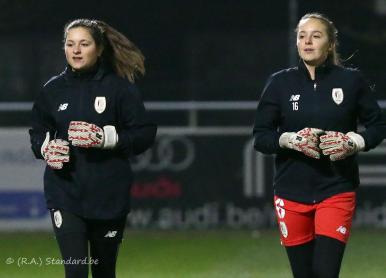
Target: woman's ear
column 331, row 47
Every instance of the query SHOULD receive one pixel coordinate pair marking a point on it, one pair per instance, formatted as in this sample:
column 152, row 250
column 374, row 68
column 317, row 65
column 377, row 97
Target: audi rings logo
column 173, row 153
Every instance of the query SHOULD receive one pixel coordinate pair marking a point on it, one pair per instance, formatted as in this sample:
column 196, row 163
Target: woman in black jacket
column 87, row 122
column 308, row 117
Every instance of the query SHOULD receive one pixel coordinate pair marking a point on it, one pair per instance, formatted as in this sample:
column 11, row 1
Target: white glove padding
column 339, row 145
column 86, row 135
column 55, row 152
column 305, row 141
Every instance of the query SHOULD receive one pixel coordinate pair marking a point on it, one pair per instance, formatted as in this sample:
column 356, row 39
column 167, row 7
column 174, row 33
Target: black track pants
column 76, row 236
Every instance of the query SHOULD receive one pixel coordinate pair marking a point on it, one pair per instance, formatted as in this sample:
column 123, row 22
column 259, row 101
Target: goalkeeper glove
column 55, row 152
column 339, row 145
column 86, row 135
column 305, row 141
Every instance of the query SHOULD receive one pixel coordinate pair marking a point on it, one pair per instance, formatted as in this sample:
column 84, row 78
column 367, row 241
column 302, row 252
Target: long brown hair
column 123, row 55
column 332, row 33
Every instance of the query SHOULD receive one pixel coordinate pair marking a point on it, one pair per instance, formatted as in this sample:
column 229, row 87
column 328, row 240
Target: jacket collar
column 320, row 71
column 95, row 73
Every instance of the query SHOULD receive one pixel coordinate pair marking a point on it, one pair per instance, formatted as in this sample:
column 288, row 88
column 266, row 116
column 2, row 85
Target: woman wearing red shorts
column 308, row 117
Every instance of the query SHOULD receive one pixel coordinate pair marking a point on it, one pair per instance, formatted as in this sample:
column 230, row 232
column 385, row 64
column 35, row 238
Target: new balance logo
column 63, row 106
column 294, row 97
column 342, row 230
column 111, row 234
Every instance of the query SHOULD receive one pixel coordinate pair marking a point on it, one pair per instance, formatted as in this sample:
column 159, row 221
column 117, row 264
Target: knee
column 103, row 270
column 320, row 270
column 76, row 271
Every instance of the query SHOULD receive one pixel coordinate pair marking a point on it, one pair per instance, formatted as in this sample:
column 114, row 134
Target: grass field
column 192, row 254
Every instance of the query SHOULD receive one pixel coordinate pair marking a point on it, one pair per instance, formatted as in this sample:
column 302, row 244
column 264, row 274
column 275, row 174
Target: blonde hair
column 124, row 56
column 332, row 33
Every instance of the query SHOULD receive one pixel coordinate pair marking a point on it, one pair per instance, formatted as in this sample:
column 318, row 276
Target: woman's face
column 312, row 41
column 80, row 49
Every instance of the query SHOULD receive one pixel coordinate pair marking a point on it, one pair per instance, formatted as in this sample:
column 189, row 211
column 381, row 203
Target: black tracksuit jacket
column 291, row 101
column 95, row 183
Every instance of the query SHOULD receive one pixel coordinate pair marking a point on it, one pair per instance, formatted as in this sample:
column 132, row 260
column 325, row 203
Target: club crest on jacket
column 58, row 218
column 100, row 104
column 337, row 95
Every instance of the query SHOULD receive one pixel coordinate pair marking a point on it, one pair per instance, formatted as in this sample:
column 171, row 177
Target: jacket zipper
column 315, row 85
column 81, row 100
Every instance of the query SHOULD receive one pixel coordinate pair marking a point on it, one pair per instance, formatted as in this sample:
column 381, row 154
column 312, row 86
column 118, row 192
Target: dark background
column 195, row 50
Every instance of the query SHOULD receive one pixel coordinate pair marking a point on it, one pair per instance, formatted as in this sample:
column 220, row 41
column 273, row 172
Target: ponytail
column 123, row 55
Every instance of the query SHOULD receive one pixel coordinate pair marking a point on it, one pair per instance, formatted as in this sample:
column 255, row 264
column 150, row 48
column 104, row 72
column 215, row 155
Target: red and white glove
column 339, row 145
column 55, row 152
column 86, row 135
column 305, row 141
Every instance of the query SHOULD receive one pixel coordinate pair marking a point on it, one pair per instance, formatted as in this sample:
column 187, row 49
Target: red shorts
column 299, row 223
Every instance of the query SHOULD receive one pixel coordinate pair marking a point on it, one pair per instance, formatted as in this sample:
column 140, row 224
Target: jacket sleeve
column 370, row 116
column 42, row 122
column 136, row 133
column 267, row 118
